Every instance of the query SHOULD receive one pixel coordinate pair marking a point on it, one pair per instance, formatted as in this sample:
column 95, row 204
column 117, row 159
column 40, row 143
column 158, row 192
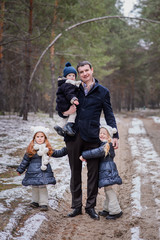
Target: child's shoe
column 44, row 208
column 34, row 204
column 103, row 213
column 59, row 130
column 68, row 129
column 115, row 216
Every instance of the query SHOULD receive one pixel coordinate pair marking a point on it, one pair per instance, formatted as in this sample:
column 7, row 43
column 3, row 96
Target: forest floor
column 138, row 162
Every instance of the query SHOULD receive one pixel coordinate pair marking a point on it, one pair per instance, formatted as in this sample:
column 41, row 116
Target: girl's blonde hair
column 31, row 151
column 107, row 145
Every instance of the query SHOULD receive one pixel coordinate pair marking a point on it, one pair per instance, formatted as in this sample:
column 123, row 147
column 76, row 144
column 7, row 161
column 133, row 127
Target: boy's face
column 71, row 76
column 103, row 134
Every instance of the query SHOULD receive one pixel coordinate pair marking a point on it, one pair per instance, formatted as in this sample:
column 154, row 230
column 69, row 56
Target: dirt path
column 135, row 224
column 59, row 227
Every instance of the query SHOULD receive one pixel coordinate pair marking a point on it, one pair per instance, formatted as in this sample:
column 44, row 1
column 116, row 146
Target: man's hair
column 80, row 64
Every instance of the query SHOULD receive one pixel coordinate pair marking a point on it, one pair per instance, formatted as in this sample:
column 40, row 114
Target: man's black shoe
column 59, row 130
column 115, row 216
column 91, row 212
column 76, row 212
column 68, row 129
column 103, row 213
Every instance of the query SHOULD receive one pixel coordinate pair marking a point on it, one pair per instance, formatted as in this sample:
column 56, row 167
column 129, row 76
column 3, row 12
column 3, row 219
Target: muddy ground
column 59, row 227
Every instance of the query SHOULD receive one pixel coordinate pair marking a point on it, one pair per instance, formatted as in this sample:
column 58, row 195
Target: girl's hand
column 82, row 159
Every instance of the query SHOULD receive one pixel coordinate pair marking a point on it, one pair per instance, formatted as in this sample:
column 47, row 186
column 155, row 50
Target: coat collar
column 96, row 84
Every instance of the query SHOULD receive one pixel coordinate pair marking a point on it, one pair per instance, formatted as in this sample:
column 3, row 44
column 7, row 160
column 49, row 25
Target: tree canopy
column 125, row 54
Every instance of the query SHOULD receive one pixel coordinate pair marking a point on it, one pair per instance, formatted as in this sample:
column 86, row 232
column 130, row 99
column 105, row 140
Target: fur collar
column 76, row 83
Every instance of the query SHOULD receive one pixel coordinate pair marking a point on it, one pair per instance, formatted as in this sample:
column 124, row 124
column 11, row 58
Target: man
column 93, row 99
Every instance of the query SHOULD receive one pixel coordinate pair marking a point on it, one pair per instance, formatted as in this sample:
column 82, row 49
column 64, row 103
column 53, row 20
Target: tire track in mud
column 146, row 182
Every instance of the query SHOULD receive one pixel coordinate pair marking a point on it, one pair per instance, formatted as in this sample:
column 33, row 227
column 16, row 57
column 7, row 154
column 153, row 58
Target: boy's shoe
column 44, row 208
column 68, row 129
column 103, row 213
column 115, row 216
column 59, row 130
column 34, row 204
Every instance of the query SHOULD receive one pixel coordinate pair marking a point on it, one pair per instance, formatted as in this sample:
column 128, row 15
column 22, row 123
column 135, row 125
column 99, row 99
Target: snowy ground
column 148, row 161
column 15, row 136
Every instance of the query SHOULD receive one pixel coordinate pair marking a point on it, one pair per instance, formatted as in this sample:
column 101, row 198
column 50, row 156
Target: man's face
column 85, row 73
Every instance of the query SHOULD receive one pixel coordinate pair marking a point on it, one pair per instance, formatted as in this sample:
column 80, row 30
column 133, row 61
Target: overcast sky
column 128, row 7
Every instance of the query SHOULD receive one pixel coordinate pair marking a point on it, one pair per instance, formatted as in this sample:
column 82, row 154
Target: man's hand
column 115, row 143
column 70, row 111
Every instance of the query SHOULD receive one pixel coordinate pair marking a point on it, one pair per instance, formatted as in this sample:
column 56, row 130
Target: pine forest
column 125, row 52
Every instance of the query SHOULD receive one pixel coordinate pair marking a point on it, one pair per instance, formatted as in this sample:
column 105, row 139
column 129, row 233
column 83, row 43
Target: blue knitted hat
column 69, row 69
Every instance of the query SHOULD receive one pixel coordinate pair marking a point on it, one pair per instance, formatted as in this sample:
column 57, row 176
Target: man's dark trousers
column 75, row 149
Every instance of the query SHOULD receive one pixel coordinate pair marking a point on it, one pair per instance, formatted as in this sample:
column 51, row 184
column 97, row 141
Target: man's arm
column 109, row 116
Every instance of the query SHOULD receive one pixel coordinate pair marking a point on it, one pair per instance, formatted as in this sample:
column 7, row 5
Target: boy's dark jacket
column 108, row 173
column 66, row 92
column 89, row 112
column 34, row 175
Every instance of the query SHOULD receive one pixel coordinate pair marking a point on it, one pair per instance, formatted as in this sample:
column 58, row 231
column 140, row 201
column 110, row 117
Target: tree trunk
column 51, row 109
column 52, row 64
column 1, row 58
column 132, row 93
column 26, row 97
column 128, row 100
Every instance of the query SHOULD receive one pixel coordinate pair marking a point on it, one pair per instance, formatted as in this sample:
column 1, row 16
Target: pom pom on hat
column 40, row 129
column 110, row 130
column 69, row 69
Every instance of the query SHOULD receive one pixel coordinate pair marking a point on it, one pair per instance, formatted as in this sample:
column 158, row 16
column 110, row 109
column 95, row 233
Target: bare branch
column 109, row 17
column 44, row 52
column 81, row 23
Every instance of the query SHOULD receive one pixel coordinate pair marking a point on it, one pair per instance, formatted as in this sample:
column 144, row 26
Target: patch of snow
column 136, row 196
column 135, row 233
column 16, row 215
column 155, row 119
column 148, row 165
column 3, row 169
column 31, row 225
column 10, row 195
column 137, row 127
column 2, row 208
